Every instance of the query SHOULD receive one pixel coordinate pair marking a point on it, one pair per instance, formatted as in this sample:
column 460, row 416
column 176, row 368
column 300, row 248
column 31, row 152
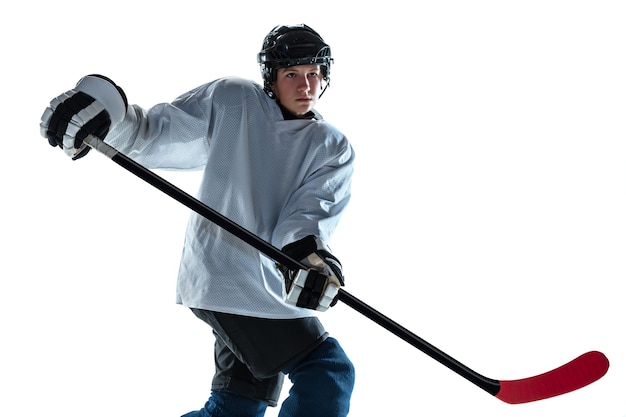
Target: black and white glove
column 93, row 107
column 314, row 288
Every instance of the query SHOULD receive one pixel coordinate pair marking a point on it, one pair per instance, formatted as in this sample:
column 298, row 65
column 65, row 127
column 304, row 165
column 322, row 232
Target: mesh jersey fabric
column 280, row 179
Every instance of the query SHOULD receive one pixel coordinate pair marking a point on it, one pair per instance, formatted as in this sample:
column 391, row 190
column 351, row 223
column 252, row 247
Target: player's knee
column 328, row 367
column 342, row 367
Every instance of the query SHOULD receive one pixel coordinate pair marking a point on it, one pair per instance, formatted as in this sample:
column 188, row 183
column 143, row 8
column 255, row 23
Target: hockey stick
column 576, row 374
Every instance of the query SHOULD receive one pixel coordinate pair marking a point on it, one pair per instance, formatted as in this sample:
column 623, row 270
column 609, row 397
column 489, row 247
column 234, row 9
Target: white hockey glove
column 93, row 107
column 316, row 287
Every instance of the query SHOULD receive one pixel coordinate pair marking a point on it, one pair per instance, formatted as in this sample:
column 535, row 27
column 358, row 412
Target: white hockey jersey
column 280, row 179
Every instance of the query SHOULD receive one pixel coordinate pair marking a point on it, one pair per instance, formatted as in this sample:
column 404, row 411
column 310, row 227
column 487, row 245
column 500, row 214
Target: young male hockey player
column 272, row 165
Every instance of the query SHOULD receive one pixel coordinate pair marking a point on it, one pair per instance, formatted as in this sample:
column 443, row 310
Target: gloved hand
column 316, row 287
column 93, row 107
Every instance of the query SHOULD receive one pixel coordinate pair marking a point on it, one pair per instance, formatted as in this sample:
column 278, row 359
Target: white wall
column 488, row 209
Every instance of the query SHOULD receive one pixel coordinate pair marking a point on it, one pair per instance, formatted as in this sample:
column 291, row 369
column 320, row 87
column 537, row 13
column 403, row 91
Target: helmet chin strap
column 325, row 87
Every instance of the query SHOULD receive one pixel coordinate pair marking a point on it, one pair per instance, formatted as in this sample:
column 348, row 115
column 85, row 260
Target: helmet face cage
column 287, row 46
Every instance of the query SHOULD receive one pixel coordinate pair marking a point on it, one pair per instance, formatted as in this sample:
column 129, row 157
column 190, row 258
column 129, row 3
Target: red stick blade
column 576, row 374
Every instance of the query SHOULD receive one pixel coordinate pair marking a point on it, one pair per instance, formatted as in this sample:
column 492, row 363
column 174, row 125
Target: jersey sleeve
column 169, row 136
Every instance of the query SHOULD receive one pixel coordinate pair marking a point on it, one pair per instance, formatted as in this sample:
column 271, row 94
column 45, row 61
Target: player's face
column 298, row 87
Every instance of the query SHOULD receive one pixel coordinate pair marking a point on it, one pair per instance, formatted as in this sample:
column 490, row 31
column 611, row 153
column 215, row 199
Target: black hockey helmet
column 287, row 46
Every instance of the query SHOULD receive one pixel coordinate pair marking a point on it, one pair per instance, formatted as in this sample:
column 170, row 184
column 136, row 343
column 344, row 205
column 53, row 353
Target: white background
column 487, row 217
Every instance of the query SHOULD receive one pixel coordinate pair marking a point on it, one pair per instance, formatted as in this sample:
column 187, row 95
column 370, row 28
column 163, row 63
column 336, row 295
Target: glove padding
column 316, row 287
column 93, row 107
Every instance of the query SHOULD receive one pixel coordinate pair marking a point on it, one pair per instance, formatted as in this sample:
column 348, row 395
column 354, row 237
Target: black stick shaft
column 492, row 386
